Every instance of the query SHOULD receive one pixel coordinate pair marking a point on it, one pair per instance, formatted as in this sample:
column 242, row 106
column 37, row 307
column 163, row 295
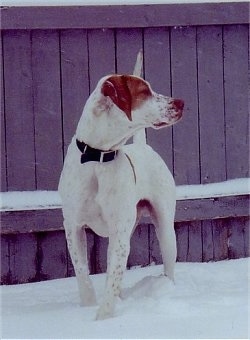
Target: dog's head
column 119, row 106
column 131, row 93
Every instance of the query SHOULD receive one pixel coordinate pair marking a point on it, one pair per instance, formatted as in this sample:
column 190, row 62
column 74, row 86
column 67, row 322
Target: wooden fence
column 52, row 58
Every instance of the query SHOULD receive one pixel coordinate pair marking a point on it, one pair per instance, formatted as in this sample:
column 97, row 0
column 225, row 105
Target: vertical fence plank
column 182, row 230
column 19, row 110
column 184, row 86
column 128, row 44
column 220, row 239
column 236, row 100
column 5, row 256
column 75, row 82
column 52, row 259
column 236, row 238
column 101, row 54
column 139, row 247
column 154, row 247
column 157, row 72
column 194, row 242
column 207, row 241
column 47, row 108
column 101, row 249
column 211, row 104
column 3, row 179
column 246, row 221
column 23, row 258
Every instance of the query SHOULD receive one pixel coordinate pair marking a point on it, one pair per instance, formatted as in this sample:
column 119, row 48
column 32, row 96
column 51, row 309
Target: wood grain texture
column 3, row 177
column 75, row 79
column 236, row 100
column 128, row 43
column 184, row 85
column 19, row 110
column 22, row 258
column 189, row 210
column 52, row 259
column 211, row 104
column 5, row 260
column 124, row 15
column 47, row 108
column 158, row 73
column 139, row 247
column 101, row 46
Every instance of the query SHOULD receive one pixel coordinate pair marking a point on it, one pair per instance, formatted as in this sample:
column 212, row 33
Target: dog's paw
column 105, row 312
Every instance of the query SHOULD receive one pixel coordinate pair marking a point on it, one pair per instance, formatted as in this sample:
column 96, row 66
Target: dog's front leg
column 118, row 251
column 77, row 245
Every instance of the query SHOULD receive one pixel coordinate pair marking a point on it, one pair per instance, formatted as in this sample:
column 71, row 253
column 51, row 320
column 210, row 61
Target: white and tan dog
column 106, row 185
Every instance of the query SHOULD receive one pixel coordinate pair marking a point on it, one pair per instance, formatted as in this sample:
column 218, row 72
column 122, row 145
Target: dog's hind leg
column 165, row 232
column 77, row 245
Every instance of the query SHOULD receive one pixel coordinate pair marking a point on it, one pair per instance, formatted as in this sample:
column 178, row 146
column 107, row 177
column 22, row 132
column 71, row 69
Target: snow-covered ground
column 208, row 300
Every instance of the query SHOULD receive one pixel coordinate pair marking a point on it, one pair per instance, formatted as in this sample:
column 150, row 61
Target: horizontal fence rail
column 122, row 16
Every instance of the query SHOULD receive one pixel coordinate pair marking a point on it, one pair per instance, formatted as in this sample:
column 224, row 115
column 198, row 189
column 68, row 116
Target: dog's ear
column 127, row 92
column 117, row 89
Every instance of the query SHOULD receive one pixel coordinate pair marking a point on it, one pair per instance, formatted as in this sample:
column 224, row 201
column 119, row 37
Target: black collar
column 94, row 155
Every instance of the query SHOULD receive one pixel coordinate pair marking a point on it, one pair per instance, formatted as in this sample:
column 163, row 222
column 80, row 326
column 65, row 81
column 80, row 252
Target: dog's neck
column 103, row 133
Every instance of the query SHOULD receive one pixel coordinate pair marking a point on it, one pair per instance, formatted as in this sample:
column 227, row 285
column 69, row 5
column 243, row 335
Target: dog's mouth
column 159, row 125
column 173, row 120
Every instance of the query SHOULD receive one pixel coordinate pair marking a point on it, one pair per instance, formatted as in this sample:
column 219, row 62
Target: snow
column 30, row 200
column 99, row 2
column 208, row 300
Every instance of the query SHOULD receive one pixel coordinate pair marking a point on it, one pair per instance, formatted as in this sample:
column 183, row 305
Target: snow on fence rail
column 42, row 199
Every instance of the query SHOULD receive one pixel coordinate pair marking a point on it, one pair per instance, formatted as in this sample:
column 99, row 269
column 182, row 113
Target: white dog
column 106, row 185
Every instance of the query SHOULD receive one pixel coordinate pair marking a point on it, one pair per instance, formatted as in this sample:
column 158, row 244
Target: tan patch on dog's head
column 127, row 92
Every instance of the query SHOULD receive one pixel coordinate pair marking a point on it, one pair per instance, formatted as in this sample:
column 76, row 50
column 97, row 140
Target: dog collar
column 94, row 155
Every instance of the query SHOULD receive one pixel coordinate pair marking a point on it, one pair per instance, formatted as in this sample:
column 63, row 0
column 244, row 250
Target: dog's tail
column 140, row 136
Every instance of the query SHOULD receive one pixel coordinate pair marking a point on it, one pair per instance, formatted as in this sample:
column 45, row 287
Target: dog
column 107, row 186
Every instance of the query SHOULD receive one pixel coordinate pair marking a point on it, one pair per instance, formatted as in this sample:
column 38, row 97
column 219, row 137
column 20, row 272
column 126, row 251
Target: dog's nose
column 178, row 104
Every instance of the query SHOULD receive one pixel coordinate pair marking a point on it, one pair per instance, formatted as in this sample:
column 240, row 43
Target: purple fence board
column 154, row 247
column 184, row 85
column 207, row 241
column 22, row 263
column 236, row 100
column 211, row 104
column 157, row 53
column 194, row 253
column 5, row 260
column 182, row 239
column 128, row 43
column 19, row 110
column 75, row 79
column 101, row 45
column 47, row 108
column 101, row 248
column 139, row 247
column 238, row 238
column 124, row 15
column 3, row 178
column 52, row 260
column 220, row 239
